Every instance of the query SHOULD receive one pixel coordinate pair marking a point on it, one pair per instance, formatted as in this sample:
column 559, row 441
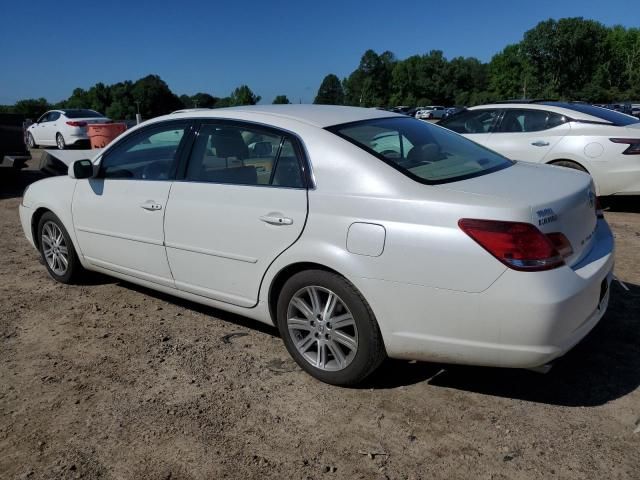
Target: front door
column 118, row 216
column 241, row 201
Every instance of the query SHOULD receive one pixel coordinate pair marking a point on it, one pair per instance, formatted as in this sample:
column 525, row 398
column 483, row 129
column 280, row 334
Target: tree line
column 566, row 59
column 150, row 96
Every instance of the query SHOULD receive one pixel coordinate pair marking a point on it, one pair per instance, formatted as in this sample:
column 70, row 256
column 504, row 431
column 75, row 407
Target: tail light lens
column 520, row 246
column 599, row 211
column 561, row 244
column 77, row 124
column 634, row 145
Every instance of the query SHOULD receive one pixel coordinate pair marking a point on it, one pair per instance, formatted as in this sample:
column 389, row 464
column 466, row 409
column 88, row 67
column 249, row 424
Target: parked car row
column 431, row 112
column 359, row 233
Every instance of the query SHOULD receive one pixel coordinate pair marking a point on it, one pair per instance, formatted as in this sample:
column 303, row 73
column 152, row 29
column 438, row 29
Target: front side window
column 150, row 154
column 44, row 118
column 243, row 156
column 529, row 121
column 472, row 121
column 423, row 152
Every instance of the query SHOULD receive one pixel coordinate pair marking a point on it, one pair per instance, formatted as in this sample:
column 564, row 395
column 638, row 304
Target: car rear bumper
column 523, row 320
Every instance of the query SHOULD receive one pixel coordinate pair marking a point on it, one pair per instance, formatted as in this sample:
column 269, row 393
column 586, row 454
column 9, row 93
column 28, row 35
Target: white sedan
column 359, row 233
column 431, row 112
column 602, row 142
column 64, row 127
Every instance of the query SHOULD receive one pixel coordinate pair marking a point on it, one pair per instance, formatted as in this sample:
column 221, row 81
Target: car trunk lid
column 558, row 200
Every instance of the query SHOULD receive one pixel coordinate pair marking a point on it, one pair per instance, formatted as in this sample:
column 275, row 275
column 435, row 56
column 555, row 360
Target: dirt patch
column 109, row 380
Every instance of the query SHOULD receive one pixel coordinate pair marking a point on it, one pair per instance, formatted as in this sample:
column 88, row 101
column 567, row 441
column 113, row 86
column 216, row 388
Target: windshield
column 423, row 152
column 82, row 113
column 616, row 118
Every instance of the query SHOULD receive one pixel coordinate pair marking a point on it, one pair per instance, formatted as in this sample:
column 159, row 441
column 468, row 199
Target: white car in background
column 431, row 112
column 359, row 233
column 596, row 140
column 62, row 128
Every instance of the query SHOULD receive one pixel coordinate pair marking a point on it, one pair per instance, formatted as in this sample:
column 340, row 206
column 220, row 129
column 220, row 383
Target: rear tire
column 569, row 164
column 56, row 250
column 60, row 143
column 329, row 328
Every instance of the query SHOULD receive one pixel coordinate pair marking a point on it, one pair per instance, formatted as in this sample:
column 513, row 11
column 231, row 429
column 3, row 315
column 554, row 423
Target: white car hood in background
column 69, row 156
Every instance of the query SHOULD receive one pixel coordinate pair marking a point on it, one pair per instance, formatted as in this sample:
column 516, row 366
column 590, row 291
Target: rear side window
column 610, row 116
column 83, row 113
column 423, row 152
column 244, row 156
column 150, row 154
column 529, row 121
column 471, row 121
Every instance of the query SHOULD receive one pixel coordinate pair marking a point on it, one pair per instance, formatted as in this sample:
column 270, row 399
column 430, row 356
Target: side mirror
column 80, row 169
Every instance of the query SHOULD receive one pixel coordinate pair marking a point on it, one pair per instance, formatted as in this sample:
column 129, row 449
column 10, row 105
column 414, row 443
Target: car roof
column 316, row 115
column 547, row 106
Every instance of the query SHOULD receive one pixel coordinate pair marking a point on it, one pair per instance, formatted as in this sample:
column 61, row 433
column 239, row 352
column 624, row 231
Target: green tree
column 370, row 84
column 330, row 91
column 564, row 54
column 32, row 107
column 243, row 96
column 154, row 97
column 281, row 100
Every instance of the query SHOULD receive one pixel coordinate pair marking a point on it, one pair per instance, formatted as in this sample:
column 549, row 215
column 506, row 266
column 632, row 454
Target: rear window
column 424, row 152
column 611, row 116
column 82, row 113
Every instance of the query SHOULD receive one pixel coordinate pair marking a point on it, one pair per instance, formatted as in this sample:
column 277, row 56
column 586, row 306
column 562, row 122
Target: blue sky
column 276, row 47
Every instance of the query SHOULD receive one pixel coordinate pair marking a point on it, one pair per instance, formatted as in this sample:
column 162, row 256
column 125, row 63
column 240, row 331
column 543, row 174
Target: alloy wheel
column 322, row 328
column 55, row 248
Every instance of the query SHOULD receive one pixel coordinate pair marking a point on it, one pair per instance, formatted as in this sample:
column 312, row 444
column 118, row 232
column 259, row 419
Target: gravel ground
column 110, row 380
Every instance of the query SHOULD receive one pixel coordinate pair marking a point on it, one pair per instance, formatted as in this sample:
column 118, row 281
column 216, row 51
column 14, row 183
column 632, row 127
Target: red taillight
column 561, row 244
column 518, row 245
column 598, row 207
column 634, row 145
column 77, row 124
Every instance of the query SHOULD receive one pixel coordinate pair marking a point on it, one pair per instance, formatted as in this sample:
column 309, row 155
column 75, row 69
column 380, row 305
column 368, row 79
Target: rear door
column 118, row 216
column 528, row 135
column 241, row 201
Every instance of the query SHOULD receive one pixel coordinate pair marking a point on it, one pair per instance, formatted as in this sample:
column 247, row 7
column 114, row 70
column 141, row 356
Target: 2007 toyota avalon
column 359, row 233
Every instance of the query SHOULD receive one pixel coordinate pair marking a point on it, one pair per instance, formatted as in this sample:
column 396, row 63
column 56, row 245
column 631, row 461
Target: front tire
column 31, row 143
column 329, row 328
column 56, row 249
column 60, row 143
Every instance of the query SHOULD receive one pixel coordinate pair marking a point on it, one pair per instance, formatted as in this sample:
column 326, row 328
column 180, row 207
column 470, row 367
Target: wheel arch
column 286, row 273
column 35, row 220
column 572, row 160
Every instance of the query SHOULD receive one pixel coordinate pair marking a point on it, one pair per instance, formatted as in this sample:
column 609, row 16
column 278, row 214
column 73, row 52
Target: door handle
column 275, row 220
column 151, row 205
column 540, row 143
